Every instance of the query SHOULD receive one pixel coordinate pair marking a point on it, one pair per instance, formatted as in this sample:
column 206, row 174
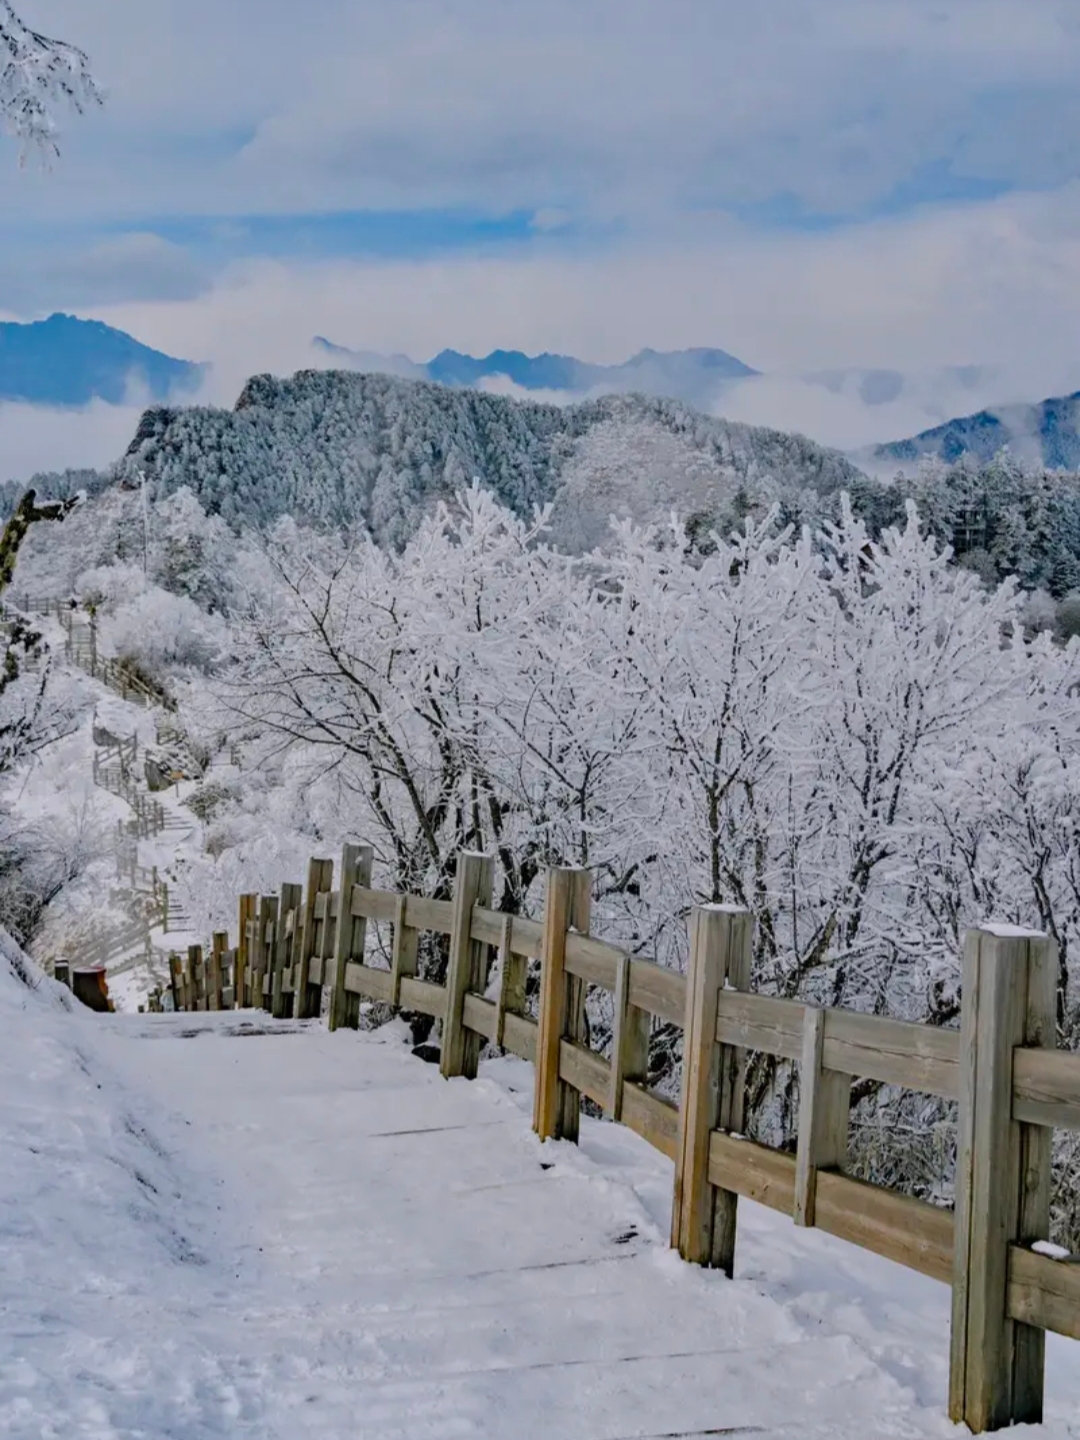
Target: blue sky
column 806, row 183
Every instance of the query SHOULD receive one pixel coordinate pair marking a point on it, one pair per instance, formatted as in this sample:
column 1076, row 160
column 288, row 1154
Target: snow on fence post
column 245, row 920
column 307, row 996
column 557, row 1105
column 1002, row 1176
column 467, row 965
column 703, row 1217
column 350, row 934
column 285, row 948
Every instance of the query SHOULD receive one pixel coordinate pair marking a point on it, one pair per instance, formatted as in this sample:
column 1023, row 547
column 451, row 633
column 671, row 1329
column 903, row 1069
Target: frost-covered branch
column 38, row 75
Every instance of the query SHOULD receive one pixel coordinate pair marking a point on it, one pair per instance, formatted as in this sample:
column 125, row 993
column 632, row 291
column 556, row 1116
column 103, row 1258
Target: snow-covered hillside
column 343, row 448
column 1047, row 433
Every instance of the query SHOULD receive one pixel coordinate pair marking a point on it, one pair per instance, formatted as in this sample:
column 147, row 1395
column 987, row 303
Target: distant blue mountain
column 67, row 361
column 695, row 376
column 1048, row 432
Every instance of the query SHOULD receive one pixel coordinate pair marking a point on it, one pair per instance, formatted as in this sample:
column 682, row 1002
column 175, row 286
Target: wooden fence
column 80, row 647
column 115, row 768
column 306, row 946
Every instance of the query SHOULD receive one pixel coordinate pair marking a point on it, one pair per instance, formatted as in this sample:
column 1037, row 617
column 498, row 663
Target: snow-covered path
column 293, row 1234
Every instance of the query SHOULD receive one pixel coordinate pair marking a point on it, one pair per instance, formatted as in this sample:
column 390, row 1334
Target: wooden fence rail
column 81, row 647
column 302, row 952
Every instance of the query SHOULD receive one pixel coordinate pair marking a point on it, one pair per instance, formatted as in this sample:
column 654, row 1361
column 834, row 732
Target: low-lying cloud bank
column 869, row 333
column 34, row 438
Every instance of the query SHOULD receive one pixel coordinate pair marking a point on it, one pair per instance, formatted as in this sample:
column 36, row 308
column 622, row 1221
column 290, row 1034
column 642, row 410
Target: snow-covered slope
column 113, row 1276
column 212, row 1226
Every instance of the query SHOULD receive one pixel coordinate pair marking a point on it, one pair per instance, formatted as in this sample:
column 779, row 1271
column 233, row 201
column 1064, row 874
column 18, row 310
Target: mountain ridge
column 1047, row 432
column 342, row 448
column 66, row 361
column 690, row 375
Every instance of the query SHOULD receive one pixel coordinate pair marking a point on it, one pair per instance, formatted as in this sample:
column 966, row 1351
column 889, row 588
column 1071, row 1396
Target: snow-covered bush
column 1038, row 611
column 106, row 587
column 154, row 628
column 40, row 861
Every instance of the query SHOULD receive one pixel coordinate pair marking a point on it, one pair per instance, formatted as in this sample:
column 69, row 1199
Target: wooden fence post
column 196, row 978
column 1002, row 1176
column 824, row 1108
column 251, row 977
column 245, row 915
column 349, row 934
column 405, row 953
column 286, row 939
column 307, row 997
column 557, row 1105
column 703, row 1217
column 513, row 978
column 176, row 980
column 265, row 932
column 467, row 966
column 219, row 944
column 629, row 1041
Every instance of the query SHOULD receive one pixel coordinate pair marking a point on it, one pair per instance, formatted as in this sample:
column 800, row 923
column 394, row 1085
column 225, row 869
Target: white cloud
column 550, row 218
column 503, row 385
column 36, row 437
column 996, row 284
column 610, row 107
column 838, row 414
column 128, row 267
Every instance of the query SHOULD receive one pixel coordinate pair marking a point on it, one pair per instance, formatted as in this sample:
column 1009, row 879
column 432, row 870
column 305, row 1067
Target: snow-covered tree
column 32, row 712
column 37, row 76
column 835, row 726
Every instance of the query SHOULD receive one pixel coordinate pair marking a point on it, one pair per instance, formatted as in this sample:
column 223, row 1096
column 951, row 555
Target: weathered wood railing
column 303, row 951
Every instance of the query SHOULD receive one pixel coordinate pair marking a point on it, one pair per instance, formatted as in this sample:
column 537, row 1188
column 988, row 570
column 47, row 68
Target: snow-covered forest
column 379, row 453
column 861, row 741
column 343, row 448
